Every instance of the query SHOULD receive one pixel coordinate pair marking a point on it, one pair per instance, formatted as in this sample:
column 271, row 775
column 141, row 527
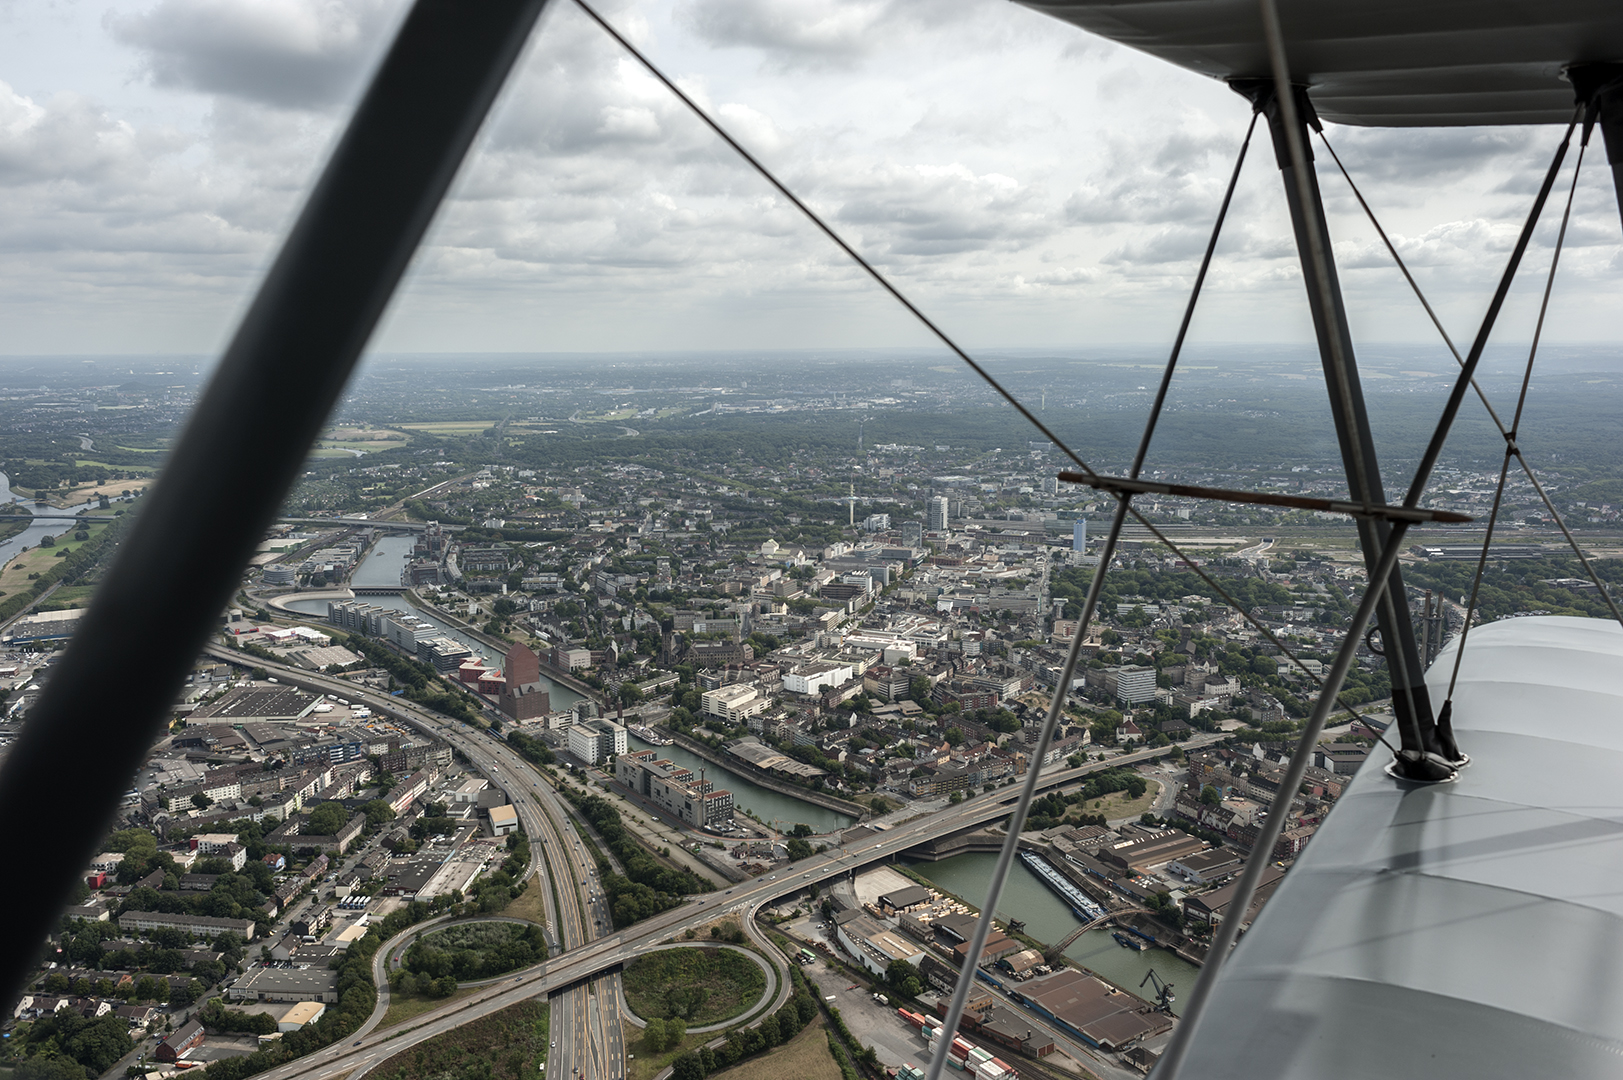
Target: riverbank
column 767, row 780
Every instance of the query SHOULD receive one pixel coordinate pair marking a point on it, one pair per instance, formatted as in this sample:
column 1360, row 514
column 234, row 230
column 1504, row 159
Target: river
column 381, row 567
column 1048, row 919
column 31, row 536
column 780, row 811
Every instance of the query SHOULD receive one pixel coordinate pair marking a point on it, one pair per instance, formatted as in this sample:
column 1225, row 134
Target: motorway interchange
column 582, row 978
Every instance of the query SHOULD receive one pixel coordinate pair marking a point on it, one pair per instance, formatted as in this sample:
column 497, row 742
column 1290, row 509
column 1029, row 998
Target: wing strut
column 1600, row 88
column 1429, row 753
column 247, row 438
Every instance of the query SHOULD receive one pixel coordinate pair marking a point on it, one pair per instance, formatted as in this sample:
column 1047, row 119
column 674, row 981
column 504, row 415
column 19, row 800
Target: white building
column 935, row 514
column 595, row 741
column 815, row 678
column 1135, row 685
column 735, row 703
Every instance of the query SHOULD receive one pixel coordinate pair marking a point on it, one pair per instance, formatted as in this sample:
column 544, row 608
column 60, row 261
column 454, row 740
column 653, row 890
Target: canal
column 780, row 811
column 382, row 567
column 1048, row 920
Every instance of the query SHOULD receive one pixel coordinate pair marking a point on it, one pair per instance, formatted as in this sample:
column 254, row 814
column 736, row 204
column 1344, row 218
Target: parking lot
column 873, row 1023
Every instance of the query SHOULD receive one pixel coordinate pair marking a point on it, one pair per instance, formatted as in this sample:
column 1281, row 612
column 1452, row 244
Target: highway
column 584, row 976
column 585, row 1023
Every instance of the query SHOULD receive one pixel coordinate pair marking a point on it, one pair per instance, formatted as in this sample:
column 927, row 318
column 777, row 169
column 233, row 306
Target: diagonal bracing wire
column 1124, row 508
column 839, row 242
column 1512, row 446
column 1516, row 423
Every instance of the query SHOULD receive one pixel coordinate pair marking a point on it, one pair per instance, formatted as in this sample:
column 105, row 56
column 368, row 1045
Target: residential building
column 196, row 925
column 595, row 741
column 188, row 1036
column 1135, row 685
column 676, row 790
column 484, row 560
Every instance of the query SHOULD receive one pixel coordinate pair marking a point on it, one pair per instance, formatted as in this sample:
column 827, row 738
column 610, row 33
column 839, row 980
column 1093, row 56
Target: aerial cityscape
column 655, row 714
column 816, row 539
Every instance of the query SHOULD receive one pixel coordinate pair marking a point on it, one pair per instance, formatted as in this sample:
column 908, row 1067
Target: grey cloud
column 68, row 139
column 1171, row 244
column 816, row 33
column 929, row 210
column 1168, row 176
column 301, row 54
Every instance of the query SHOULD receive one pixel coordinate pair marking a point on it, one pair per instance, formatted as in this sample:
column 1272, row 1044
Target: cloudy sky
column 1027, row 184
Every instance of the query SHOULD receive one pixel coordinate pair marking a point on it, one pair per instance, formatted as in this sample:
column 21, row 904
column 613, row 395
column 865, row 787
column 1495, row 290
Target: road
column 585, row 1021
column 584, row 976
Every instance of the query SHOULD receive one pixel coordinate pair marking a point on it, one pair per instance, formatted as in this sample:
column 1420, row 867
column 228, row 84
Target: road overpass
column 579, row 964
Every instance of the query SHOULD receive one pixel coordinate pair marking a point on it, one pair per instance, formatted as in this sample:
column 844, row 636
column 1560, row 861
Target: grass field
column 805, row 1057
column 647, row 1064
column 1118, row 805
column 37, row 560
column 531, row 904
column 403, row 1007
column 502, row 1046
column 450, row 427
column 701, row 986
column 69, row 596
column 363, row 438
column 111, row 489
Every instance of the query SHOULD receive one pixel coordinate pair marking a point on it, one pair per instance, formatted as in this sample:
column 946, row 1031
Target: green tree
column 43, row 1067
column 202, row 801
column 797, row 848
column 127, row 840
column 687, row 1066
column 100, row 1043
column 377, row 812
column 1209, row 796
column 326, row 819
column 654, row 1034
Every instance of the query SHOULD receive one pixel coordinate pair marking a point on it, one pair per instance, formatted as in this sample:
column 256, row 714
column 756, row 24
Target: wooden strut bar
column 1411, row 514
